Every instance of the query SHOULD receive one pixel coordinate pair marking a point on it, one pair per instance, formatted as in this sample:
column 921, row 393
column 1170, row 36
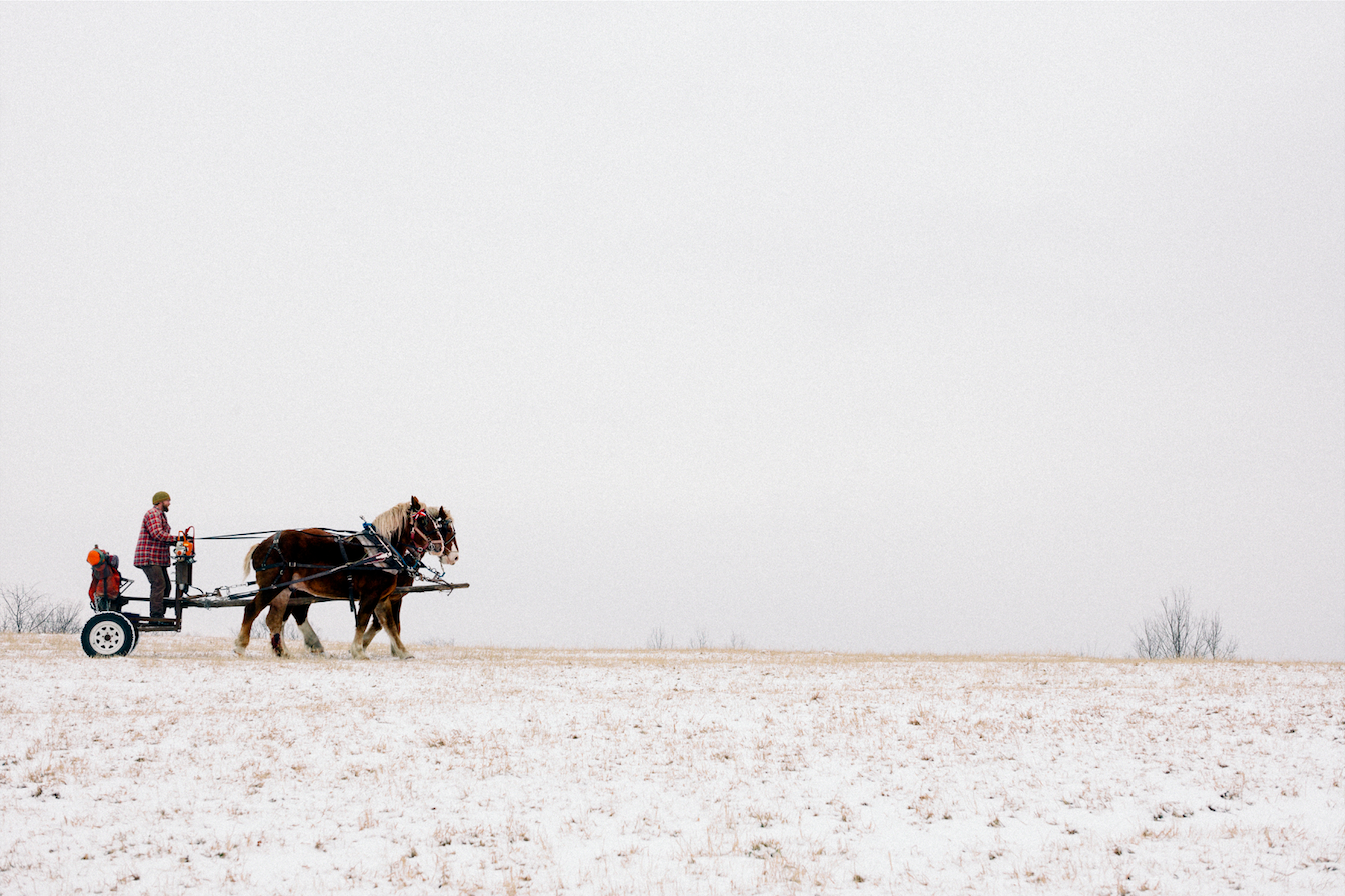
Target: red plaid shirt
column 155, row 537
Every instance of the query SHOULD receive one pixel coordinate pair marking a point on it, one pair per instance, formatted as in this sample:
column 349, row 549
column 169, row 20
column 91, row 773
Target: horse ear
column 442, row 514
column 415, row 503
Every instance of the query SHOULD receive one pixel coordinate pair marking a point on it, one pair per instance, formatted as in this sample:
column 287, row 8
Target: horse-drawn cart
column 115, row 631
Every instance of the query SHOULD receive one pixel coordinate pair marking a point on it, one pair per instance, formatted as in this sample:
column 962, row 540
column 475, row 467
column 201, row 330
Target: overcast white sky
column 889, row 327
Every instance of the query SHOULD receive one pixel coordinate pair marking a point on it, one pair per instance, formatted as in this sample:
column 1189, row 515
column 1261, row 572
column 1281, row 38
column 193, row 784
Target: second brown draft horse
column 360, row 568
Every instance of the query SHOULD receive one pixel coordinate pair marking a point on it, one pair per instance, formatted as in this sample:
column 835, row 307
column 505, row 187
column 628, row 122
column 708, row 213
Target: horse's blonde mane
column 390, row 522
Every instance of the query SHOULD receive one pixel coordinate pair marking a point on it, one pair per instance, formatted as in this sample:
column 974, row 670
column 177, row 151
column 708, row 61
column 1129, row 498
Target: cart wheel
column 108, row 634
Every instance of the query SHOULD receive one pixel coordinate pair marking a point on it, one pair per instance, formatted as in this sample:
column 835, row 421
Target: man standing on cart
column 151, row 552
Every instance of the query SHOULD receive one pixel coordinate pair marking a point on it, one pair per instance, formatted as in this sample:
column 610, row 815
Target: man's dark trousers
column 158, row 587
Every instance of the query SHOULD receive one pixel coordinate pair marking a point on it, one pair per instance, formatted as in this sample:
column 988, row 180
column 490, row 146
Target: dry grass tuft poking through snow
column 185, row 769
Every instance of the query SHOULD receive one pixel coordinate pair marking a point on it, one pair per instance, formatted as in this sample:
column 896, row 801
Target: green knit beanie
column 159, row 496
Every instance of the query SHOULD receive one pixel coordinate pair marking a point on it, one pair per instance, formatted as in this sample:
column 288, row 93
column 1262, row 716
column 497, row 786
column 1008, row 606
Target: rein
column 402, row 553
column 330, row 533
column 408, row 558
column 445, row 541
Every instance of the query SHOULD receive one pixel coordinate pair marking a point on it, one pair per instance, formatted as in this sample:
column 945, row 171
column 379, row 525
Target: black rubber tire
column 108, row 634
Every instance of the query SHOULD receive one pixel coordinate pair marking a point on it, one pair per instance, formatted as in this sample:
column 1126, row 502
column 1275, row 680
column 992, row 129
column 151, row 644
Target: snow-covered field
column 185, row 769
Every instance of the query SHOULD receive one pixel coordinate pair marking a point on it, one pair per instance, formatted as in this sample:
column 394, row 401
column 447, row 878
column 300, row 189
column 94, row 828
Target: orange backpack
column 106, row 579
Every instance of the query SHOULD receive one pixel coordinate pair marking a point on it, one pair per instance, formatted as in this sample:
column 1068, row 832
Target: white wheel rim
column 107, row 637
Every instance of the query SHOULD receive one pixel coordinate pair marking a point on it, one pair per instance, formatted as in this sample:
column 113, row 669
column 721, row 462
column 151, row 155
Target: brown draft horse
column 319, row 563
column 282, row 608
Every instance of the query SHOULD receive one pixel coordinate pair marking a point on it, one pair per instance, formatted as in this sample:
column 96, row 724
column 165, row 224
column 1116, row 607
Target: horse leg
column 250, row 613
column 361, row 621
column 374, row 628
column 385, row 614
column 275, row 621
column 395, row 611
column 245, row 633
column 299, row 613
column 261, row 600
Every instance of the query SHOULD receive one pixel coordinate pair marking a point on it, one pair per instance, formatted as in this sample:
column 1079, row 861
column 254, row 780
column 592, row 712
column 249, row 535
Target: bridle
column 420, row 527
column 449, row 539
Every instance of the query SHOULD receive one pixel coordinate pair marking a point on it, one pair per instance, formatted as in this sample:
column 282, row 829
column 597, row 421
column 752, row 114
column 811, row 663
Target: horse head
column 448, row 536
column 418, row 529
column 421, row 531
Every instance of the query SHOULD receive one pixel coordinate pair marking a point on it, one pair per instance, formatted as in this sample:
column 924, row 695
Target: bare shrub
column 700, row 639
column 25, row 609
column 1175, row 633
column 658, row 638
column 1214, row 641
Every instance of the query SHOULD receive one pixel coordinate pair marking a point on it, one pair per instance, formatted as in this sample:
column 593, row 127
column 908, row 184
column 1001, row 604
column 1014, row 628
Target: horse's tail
column 247, row 558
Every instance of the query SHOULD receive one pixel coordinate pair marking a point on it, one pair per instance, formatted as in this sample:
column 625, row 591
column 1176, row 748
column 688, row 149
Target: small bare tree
column 24, row 609
column 700, row 639
column 658, row 638
column 1175, row 632
column 1214, row 641
column 737, row 641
